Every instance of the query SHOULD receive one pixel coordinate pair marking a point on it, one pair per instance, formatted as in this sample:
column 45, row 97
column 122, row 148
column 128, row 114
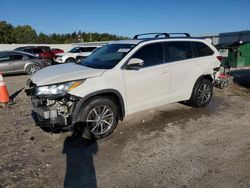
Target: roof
column 24, row 47
column 16, row 51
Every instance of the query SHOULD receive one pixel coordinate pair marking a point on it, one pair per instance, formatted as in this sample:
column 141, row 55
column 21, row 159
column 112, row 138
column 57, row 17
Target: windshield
column 108, row 56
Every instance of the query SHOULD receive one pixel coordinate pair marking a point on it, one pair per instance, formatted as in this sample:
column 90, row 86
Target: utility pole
column 90, row 37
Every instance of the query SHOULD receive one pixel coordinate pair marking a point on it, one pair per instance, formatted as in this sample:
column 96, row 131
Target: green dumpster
column 237, row 55
column 243, row 56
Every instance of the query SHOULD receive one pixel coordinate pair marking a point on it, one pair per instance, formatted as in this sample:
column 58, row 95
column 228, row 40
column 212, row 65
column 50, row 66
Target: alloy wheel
column 31, row 69
column 100, row 119
column 204, row 93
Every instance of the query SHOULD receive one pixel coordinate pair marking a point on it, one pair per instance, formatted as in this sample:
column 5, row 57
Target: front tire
column 202, row 93
column 98, row 118
column 32, row 68
column 79, row 59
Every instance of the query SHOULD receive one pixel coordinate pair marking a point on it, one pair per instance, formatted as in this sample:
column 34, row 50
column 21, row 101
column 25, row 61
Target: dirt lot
column 171, row 146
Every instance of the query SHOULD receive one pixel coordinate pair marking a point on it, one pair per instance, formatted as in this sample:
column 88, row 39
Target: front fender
column 99, row 93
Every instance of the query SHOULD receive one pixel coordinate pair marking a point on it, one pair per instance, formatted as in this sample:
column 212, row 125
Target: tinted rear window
column 16, row 57
column 202, row 49
column 176, row 51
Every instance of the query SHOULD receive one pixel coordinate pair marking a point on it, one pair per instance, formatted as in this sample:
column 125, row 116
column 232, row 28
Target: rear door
column 148, row 86
column 203, row 57
column 18, row 61
column 183, row 69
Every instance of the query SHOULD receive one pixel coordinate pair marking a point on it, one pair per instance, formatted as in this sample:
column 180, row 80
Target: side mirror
column 135, row 63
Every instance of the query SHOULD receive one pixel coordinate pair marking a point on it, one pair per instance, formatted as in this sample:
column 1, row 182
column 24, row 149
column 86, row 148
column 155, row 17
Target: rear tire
column 70, row 60
column 202, row 93
column 98, row 118
column 32, row 68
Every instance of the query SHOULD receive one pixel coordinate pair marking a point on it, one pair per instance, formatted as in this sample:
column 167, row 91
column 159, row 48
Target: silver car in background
column 14, row 62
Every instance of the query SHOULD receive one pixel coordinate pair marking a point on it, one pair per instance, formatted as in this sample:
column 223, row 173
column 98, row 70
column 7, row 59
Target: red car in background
column 56, row 50
column 43, row 52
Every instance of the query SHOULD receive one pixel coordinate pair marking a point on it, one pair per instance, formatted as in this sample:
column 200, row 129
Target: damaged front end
column 53, row 112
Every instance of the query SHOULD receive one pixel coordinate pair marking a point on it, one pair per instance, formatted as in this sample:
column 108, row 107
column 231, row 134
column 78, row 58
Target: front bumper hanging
column 52, row 112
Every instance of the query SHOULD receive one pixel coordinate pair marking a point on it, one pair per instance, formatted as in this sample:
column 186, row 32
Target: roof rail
column 156, row 35
column 186, row 34
column 167, row 35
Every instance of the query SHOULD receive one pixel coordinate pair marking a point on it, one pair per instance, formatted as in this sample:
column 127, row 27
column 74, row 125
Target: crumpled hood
column 63, row 73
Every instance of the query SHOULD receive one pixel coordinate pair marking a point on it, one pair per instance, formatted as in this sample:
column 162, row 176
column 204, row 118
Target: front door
column 147, row 87
column 18, row 61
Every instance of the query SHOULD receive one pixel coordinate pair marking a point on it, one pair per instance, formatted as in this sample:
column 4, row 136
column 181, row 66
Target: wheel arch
column 30, row 63
column 204, row 76
column 80, row 56
column 67, row 58
column 112, row 93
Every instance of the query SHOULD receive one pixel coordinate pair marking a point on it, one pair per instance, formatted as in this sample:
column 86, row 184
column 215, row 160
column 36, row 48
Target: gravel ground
column 170, row 146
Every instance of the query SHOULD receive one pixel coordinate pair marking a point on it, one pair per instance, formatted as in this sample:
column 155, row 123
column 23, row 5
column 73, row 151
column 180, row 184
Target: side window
column 77, row 50
column 38, row 50
column 151, row 54
column 31, row 57
column 90, row 49
column 81, row 50
column 16, row 57
column 202, row 49
column 4, row 57
column 87, row 49
column 176, row 51
column 28, row 50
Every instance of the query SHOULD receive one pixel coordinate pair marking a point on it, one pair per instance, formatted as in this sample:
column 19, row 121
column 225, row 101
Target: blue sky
column 128, row 17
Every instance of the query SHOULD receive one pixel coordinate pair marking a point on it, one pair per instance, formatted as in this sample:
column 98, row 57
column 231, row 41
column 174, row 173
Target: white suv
column 76, row 54
column 121, row 78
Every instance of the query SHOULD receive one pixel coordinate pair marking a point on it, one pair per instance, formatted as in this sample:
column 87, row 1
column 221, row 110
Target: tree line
column 27, row 35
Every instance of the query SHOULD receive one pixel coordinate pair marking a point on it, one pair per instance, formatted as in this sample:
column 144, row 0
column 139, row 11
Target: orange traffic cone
column 4, row 96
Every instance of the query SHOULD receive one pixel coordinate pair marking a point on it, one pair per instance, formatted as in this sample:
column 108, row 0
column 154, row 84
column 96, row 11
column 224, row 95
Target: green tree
column 24, row 35
column 43, row 38
column 6, row 30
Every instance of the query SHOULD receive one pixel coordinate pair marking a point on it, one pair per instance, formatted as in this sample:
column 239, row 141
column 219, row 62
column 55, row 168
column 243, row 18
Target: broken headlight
column 57, row 89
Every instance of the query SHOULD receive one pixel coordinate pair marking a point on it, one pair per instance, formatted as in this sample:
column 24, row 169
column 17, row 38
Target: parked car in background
column 13, row 62
column 76, row 54
column 40, row 51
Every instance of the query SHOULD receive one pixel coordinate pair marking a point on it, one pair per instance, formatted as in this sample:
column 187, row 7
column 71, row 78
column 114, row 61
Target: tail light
column 216, row 69
column 221, row 58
